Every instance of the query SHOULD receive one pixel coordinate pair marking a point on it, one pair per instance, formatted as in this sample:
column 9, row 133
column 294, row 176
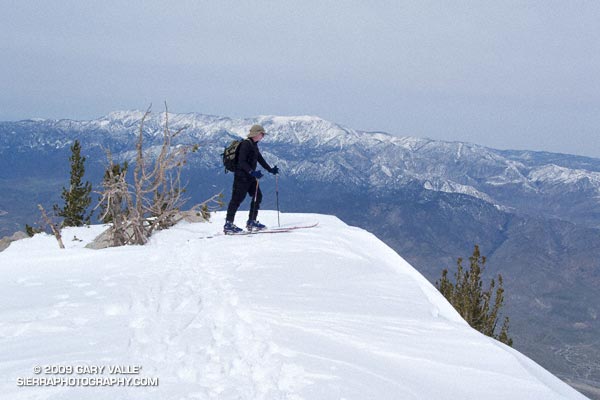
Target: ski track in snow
column 197, row 305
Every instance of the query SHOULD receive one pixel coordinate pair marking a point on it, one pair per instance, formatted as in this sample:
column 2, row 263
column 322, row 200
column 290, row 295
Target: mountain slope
column 330, row 312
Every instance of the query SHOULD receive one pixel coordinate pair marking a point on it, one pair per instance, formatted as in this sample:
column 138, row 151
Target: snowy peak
column 306, row 129
column 130, row 117
column 554, row 174
column 323, row 313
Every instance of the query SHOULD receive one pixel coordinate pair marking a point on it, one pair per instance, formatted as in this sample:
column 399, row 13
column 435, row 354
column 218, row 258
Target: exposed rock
column 189, row 216
column 7, row 240
column 101, row 241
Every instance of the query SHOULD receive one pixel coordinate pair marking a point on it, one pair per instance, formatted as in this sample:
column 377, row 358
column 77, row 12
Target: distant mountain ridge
column 338, row 154
column 536, row 215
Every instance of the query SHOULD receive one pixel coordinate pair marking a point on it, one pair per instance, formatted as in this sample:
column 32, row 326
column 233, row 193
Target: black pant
column 243, row 186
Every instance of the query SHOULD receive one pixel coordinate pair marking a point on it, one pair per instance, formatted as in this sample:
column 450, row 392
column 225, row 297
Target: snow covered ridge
column 555, row 174
column 324, row 313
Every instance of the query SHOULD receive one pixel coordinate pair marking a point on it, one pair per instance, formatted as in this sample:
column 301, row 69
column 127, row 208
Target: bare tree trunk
column 53, row 227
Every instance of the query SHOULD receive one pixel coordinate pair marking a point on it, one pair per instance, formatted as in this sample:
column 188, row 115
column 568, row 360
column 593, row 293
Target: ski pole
column 255, row 193
column 277, row 197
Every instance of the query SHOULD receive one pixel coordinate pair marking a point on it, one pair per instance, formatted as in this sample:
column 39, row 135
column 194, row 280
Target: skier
column 245, row 181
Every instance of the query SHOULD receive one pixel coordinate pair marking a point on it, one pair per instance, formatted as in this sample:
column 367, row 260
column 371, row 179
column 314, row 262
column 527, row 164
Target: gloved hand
column 274, row 170
column 257, row 174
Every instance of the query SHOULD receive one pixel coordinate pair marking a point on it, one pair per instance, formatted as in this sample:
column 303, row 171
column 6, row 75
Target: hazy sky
column 506, row 74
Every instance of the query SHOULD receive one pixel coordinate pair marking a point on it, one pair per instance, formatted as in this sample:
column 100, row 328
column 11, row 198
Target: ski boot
column 230, row 229
column 253, row 225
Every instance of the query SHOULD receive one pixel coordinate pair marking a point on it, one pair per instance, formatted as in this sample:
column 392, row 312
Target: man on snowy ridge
column 245, row 181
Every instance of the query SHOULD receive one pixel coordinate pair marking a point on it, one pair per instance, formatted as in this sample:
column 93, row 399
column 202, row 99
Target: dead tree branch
column 53, row 227
column 154, row 199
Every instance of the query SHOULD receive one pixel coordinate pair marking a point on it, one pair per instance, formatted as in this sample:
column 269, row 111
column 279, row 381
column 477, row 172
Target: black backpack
column 230, row 155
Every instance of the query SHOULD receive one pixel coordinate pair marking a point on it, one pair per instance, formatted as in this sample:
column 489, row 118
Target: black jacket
column 248, row 157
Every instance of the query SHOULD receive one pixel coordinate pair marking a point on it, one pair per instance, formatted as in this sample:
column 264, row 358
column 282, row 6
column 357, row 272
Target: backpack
column 230, row 155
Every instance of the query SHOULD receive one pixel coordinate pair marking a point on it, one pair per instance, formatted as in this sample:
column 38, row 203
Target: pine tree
column 77, row 197
column 480, row 308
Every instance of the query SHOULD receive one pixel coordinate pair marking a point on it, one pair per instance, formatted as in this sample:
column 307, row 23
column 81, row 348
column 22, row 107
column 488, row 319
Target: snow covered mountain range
column 310, row 315
column 535, row 215
column 311, row 148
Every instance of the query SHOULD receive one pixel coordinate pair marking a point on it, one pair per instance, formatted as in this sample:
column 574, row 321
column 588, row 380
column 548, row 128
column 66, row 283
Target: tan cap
column 256, row 130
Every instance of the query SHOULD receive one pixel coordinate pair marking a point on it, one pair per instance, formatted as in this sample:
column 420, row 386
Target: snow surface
column 324, row 313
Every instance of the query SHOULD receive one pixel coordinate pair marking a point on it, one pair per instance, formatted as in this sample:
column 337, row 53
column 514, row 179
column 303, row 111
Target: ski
column 286, row 228
column 268, row 230
column 274, row 230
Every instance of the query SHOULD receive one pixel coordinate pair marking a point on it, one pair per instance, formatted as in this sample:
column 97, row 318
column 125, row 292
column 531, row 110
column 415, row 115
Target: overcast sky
column 522, row 74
